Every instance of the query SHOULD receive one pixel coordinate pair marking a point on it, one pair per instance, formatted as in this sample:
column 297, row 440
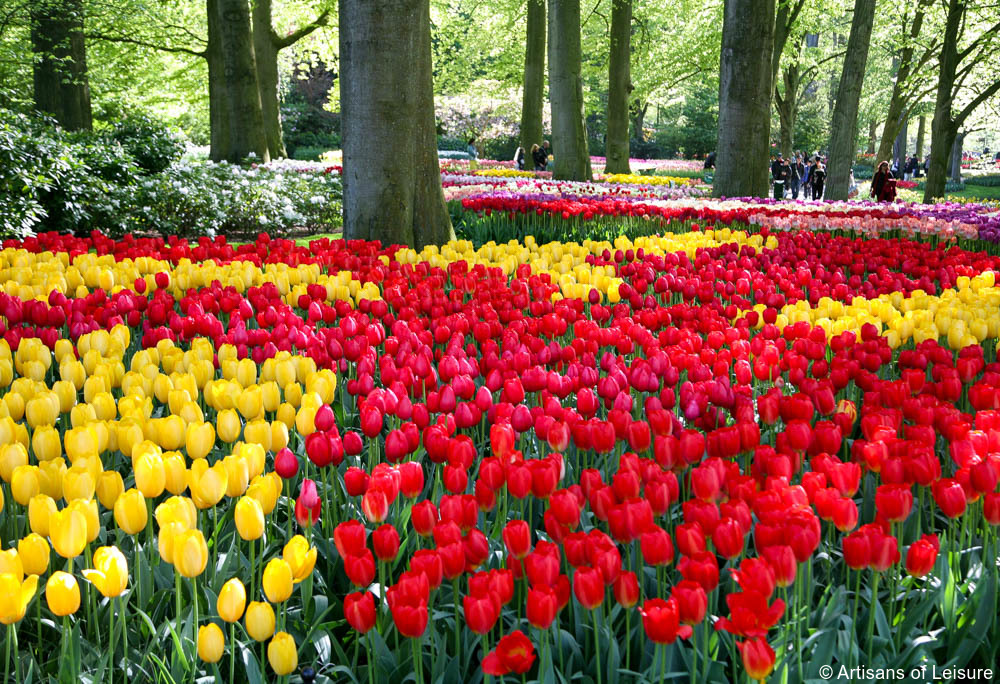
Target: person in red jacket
column 883, row 185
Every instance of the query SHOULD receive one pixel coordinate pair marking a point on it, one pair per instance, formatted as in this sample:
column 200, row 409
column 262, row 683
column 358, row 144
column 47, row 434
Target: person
column 547, row 149
column 818, row 178
column 852, row 187
column 806, row 179
column 882, row 190
column 786, row 175
column 776, row 170
column 793, row 177
column 519, row 158
column 539, row 157
column 710, row 161
column 471, row 149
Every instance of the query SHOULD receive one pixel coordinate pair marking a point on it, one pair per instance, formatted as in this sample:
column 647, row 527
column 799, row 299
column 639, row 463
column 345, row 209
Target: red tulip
column 894, row 502
column 588, row 587
column 758, row 658
column 360, row 569
column 286, row 464
column 661, row 620
column 423, row 517
column 517, row 538
column 950, row 497
column 657, row 548
column 514, row 653
column 781, row 558
column 385, row 540
column 542, row 607
column 692, row 601
column 428, row 563
column 481, row 612
column 922, row 555
column 626, row 589
column 308, row 505
column 359, row 609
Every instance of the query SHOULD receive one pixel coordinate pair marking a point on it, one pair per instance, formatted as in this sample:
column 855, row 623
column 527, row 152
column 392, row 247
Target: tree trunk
column 266, row 56
column 392, row 181
column 744, row 98
column 896, row 118
column 899, row 146
column 943, row 127
column 843, row 137
column 61, row 86
column 956, row 158
column 534, row 77
column 788, row 107
column 921, row 131
column 569, row 129
column 619, row 86
column 872, row 130
column 237, row 106
column 637, row 110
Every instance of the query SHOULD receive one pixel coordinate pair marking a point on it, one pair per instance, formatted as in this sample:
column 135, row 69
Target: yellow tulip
column 150, row 476
column 109, row 487
column 11, row 564
column 301, row 558
column 262, row 490
column 250, row 402
column 207, row 484
column 229, row 425
column 246, row 372
column 259, row 620
column 88, row 508
column 271, row 395
column 165, row 540
column 232, row 600
column 237, row 475
column 81, row 442
column 190, row 553
column 175, row 472
column 279, row 436
column 110, row 571
column 130, row 512
column 68, row 532
column 12, row 455
column 43, row 409
column 278, row 580
column 15, row 596
column 78, row 483
column 40, row 510
column 34, row 551
column 45, row 443
column 170, row 432
column 25, row 483
column 62, row 593
column 249, row 519
column 178, row 509
column 50, row 476
column 199, row 440
column 282, row 654
column 258, row 431
column 286, row 415
column 211, row 643
column 66, row 392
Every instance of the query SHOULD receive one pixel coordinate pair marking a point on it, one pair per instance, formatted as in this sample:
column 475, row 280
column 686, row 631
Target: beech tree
column 844, row 126
column 533, row 93
column 61, row 86
column 392, row 181
column 744, row 98
column 619, row 87
column 569, row 131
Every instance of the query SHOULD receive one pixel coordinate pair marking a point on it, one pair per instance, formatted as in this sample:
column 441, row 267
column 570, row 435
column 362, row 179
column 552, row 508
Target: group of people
column 539, row 156
column 798, row 172
column 912, row 168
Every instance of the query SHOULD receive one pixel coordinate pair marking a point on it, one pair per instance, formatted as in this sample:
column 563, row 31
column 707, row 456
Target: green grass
column 977, row 191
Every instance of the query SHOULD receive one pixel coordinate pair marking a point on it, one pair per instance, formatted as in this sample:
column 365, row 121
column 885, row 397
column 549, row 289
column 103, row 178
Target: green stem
column 371, row 658
column 232, row 651
column 871, row 617
column 6, row 659
column 597, row 646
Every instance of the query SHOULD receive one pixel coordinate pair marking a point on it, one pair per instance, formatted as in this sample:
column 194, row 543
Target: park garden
column 317, row 364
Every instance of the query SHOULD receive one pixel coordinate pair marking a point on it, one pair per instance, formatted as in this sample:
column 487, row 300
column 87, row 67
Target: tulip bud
column 109, row 487
column 282, row 654
column 130, row 512
column 190, row 553
column 301, row 557
column 40, row 510
column 211, row 643
column 62, row 593
column 278, row 580
column 34, row 552
column 232, row 600
column 249, row 518
column 259, row 620
column 68, row 532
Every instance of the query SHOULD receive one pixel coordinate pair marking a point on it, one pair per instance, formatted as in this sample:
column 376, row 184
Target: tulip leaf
column 972, row 634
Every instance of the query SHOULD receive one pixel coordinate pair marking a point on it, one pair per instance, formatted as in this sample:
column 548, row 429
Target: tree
column 569, row 131
column 237, row 119
column 392, row 182
column 534, row 76
column 267, row 43
column 61, row 86
column 905, row 92
column 744, row 98
column 619, row 87
column 844, row 125
column 955, row 65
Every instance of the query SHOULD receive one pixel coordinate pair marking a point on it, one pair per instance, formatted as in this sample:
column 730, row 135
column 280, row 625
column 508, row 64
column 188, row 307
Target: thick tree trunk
column 921, row 132
column 944, row 129
column 236, row 107
column 534, row 76
column 637, row 111
column 266, row 57
column 61, row 86
column 569, row 129
column 392, row 182
column 843, row 137
column 744, row 98
column 898, row 101
column 943, row 134
column 956, row 158
column 619, row 86
column 872, row 130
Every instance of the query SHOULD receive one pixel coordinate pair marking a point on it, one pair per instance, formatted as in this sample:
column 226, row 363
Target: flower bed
column 722, row 452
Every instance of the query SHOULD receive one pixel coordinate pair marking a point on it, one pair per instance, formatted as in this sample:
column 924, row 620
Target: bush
column 863, row 172
column 983, row 181
column 502, row 147
column 149, row 142
column 308, row 153
column 452, row 144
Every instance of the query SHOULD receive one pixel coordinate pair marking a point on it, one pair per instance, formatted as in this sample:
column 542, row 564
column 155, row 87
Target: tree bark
column 392, row 181
column 744, row 98
column 637, row 111
column 266, row 56
column 787, row 15
column 872, row 129
column 921, row 132
column 569, row 128
column 532, row 97
column 235, row 105
column 899, row 146
column 788, row 107
column 843, row 137
column 619, row 87
column 61, row 85
column 956, row 158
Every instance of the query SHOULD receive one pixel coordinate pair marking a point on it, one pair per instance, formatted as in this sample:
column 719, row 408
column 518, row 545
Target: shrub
column 992, row 181
column 149, row 142
column 308, row 153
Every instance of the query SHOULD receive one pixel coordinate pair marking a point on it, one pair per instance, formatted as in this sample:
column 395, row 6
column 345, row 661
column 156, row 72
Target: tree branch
column 298, row 35
column 981, row 98
column 974, row 45
column 142, row 43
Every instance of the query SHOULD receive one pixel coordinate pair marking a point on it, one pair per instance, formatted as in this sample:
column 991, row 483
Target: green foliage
column 992, row 181
column 149, row 142
column 693, row 127
column 863, row 172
